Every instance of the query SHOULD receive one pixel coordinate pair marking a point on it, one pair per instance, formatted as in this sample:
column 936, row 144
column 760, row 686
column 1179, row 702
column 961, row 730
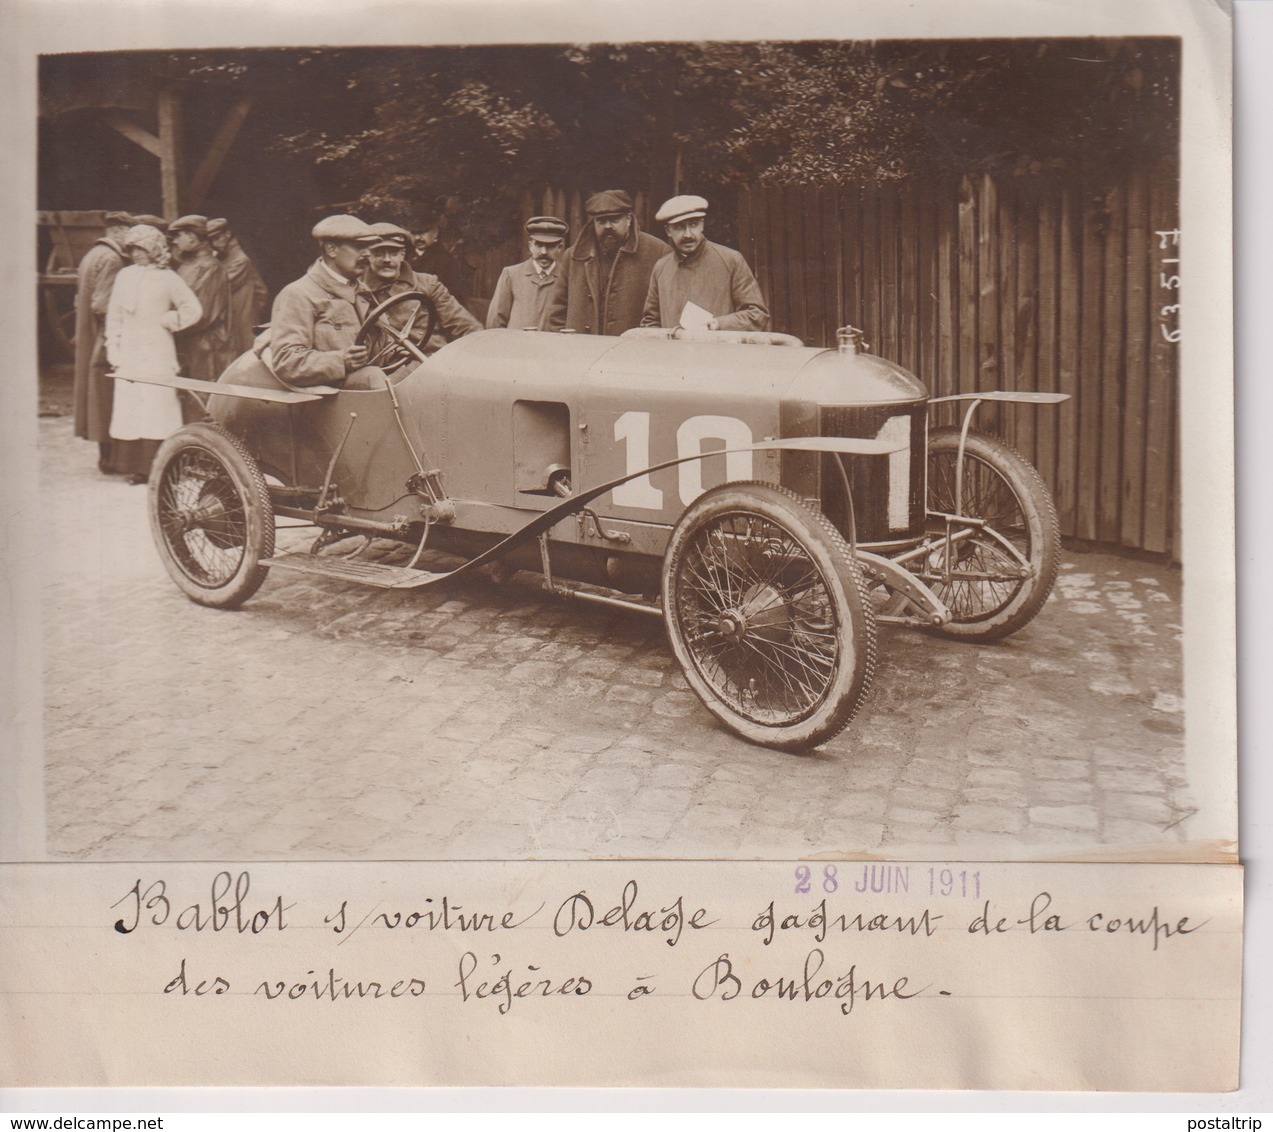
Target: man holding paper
column 700, row 285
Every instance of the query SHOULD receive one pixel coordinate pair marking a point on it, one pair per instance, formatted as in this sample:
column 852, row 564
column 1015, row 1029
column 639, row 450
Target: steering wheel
column 400, row 349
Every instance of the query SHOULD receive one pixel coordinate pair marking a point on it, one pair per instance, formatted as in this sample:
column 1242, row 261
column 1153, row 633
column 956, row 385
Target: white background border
column 1254, row 224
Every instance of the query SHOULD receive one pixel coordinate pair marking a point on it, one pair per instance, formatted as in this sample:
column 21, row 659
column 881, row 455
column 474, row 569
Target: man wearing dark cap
column 388, row 274
column 248, row 295
column 607, row 272
column 203, row 349
column 523, row 292
column 94, row 392
column 430, row 256
column 715, row 280
column 315, row 319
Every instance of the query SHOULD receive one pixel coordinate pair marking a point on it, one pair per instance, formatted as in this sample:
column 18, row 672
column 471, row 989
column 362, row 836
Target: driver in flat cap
column 713, row 278
column 524, row 291
column 316, row 318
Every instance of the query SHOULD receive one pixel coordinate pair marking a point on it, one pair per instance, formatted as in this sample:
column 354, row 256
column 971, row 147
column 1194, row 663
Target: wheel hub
column 762, row 607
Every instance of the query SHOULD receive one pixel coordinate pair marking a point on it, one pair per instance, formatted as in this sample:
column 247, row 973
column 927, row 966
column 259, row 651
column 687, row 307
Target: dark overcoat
column 94, row 392
column 594, row 296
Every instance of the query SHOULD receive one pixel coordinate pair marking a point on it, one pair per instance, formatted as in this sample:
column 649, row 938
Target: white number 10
column 634, row 429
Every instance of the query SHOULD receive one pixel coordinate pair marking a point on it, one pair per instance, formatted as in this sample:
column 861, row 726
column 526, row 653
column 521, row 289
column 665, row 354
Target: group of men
column 208, row 257
column 616, row 277
column 613, row 278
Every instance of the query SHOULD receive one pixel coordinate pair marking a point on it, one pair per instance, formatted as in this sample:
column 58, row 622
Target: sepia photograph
column 673, row 450
column 541, row 530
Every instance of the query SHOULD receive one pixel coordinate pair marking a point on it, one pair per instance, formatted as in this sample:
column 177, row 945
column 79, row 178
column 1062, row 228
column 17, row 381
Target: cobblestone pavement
column 325, row 720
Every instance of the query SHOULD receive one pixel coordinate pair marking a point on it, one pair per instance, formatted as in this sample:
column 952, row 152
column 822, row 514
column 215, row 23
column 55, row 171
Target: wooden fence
column 1007, row 284
column 1015, row 283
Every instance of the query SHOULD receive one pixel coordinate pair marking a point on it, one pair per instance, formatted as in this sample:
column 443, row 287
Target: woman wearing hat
column 148, row 304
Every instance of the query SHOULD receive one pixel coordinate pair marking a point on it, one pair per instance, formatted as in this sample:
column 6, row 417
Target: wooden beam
column 134, row 132
column 169, row 107
column 201, row 182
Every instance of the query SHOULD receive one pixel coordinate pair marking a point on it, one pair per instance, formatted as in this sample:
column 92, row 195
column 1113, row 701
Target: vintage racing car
column 769, row 500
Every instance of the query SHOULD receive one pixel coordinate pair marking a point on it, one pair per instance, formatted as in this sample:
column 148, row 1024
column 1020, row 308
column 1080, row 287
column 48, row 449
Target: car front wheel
column 995, row 536
column 766, row 612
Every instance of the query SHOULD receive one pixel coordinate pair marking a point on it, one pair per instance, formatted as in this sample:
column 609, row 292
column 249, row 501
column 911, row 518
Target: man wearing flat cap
column 606, row 273
column 713, row 278
column 94, row 392
column 388, row 273
column 203, row 349
column 524, row 290
column 315, row 319
column 248, row 295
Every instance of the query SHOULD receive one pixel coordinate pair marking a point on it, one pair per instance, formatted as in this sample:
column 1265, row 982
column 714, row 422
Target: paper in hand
column 694, row 317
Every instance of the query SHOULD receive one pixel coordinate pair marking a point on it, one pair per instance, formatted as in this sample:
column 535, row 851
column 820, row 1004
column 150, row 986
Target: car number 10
column 633, row 428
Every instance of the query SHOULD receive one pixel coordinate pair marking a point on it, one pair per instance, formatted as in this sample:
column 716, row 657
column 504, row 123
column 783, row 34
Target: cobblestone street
column 325, row 720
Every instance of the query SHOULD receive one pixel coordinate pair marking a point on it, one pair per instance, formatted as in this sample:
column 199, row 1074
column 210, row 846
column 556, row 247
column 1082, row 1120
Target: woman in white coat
column 147, row 305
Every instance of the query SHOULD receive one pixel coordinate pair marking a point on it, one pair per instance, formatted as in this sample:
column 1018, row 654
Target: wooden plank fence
column 1005, row 284
column 982, row 283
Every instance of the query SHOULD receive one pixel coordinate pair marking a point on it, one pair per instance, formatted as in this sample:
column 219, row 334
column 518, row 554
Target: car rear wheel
column 994, row 573
column 210, row 515
column 766, row 612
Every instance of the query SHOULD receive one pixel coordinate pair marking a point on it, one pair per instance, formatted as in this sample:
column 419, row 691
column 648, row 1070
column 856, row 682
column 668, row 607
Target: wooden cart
column 63, row 237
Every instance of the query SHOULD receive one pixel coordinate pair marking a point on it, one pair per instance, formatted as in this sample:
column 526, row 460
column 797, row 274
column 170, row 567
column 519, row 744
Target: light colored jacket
column 715, row 278
column 522, row 297
column 315, row 319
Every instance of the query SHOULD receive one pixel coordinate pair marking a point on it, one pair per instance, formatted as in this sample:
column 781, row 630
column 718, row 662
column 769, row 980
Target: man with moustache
column 524, row 290
column 607, row 271
column 204, row 348
column 316, row 319
column 714, row 278
column 388, row 273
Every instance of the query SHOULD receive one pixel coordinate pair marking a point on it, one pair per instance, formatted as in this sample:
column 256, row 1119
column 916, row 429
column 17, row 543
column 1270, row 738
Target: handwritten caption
column 489, row 962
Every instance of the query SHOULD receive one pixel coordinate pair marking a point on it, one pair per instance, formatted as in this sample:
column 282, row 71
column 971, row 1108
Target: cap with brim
column 548, row 229
column 343, row 227
column 115, row 219
column 192, row 223
column 217, row 225
column 612, row 202
column 154, row 221
column 682, row 208
column 390, row 236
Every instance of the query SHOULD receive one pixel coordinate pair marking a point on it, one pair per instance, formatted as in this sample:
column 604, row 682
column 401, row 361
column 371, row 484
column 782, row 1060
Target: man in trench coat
column 203, row 349
column 607, row 272
column 248, row 295
column 94, row 392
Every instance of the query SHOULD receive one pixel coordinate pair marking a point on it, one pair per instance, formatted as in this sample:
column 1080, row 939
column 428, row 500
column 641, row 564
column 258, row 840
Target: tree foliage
column 471, row 130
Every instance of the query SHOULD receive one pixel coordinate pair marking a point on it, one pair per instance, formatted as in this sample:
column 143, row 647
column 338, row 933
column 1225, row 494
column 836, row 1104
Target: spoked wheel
column 765, row 609
column 210, row 515
column 1000, row 562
